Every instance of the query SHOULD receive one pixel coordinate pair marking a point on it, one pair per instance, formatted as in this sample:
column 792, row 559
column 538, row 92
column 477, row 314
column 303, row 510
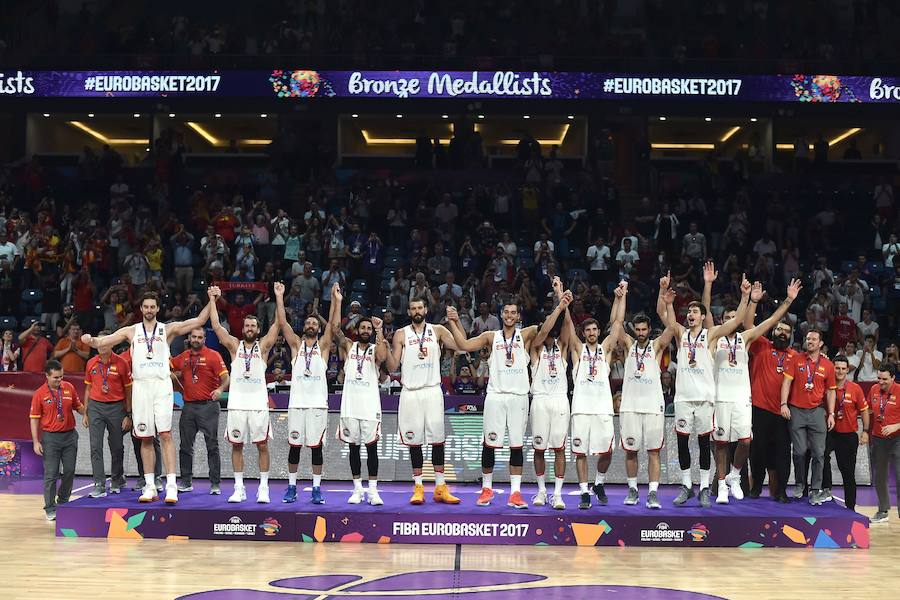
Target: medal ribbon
column 149, row 339
column 104, row 375
column 248, row 356
column 361, row 358
column 839, row 401
column 732, row 350
column 551, row 357
column 692, row 346
column 809, row 372
column 422, row 339
column 592, row 360
column 193, row 365
column 639, row 358
column 508, row 346
column 882, row 404
column 307, row 353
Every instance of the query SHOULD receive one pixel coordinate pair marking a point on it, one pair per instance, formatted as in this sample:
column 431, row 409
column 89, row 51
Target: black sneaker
column 755, row 492
column 782, row 498
column 585, row 501
column 602, row 500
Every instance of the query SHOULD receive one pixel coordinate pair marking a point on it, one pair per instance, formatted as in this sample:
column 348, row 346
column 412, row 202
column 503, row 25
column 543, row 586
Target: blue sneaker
column 290, row 494
column 317, row 497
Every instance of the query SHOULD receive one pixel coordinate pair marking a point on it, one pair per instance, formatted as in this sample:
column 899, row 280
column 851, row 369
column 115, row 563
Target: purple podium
column 745, row 524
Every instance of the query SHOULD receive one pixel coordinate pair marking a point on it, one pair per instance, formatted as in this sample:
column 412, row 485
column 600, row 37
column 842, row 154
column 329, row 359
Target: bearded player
column 152, row 395
column 416, row 351
column 506, row 402
column 308, row 404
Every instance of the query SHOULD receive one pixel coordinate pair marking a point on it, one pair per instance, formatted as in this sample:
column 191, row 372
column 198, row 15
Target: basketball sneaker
column 557, row 502
column 585, row 501
column 722, row 495
column 356, row 497
column 539, row 499
column 374, row 498
column 239, row 495
column 171, row 494
column 880, row 517
column 442, row 494
column 290, row 494
column 215, row 489
column 653, row 501
column 602, row 500
column 683, row 496
column 186, row 486
column 149, row 494
column 705, row 498
column 734, row 486
column 418, row 496
column 487, row 494
column 633, row 497
column 516, row 501
column 826, row 495
column 99, row 490
column 262, row 494
column 317, row 497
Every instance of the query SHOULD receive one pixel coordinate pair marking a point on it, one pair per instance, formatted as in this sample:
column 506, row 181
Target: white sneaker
column 171, row 494
column 356, row 497
column 539, row 499
column 557, row 502
column 262, row 494
column 374, row 498
column 149, row 494
column 722, row 496
column 734, row 486
column 239, row 495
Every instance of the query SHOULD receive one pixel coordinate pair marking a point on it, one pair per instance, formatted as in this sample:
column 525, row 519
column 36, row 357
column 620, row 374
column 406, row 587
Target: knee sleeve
column 437, row 455
column 684, row 452
column 318, row 457
column 487, row 457
column 703, row 441
column 415, row 455
column 294, row 455
column 372, row 460
column 355, row 461
column 516, row 457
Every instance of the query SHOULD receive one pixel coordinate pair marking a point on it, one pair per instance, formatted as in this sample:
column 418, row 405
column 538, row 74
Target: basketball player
column 151, row 396
column 642, row 412
column 248, row 401
column 733, row 413
column 592, row 407
column 361, row 401
column 416, row 352
column 308, row 404
column 695, row 387
column 506, row 402
column 550, row 399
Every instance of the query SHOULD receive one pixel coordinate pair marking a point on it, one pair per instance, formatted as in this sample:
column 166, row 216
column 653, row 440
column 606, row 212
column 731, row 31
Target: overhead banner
column 291, row 83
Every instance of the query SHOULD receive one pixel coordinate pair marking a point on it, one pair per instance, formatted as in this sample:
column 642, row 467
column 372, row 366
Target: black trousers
column 60, row 449
column 770, row 448
column 844, row 446
column 199, row 416
column 885, row 451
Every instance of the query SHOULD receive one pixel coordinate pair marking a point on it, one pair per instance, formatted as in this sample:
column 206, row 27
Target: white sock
column 558, row 485
column 600, row 478
column 317, row 480
column 654, row 486
column 373, row 485
column 170, row 479
column 582, row 485
column 292, row 479
column 542, row 485
column 417, row 479
column 263, row 479
column 149, row 481
column 357, row 485
column 686, row 478
column 515, row 483
column 632, row 483
column 704, row 479
column 735, row 472
column 487, row 480
column 439, row 478
column 238, row 479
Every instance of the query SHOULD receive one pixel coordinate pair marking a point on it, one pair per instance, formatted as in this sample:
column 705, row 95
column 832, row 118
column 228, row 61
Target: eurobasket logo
column 235, row 527
column 698, row 532
column 270, row 527
column 16, row 84
column 662, row 533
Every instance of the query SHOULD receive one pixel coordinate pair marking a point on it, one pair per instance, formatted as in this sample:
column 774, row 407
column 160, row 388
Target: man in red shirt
column 71, row 352
column 35, row 348
column 843, row 328
column 850, row 402
column 238, row 311
column 884, row 400
column 770, row 449
column 107, row 391
column 203, row 377
column 53, row 434
column 807, row 401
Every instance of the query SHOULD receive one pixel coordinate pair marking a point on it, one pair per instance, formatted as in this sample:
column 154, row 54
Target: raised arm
column 229, row 341
column 763, row 328
column 290, row 336
column 756, row 294
column 177, row 328
column 568, row 334
column 551, row 319
column 392, row 360
column 665, row 307
column 732, row 325
column 333, row 327
column 709, row 277
column 459, row 337
column 105, row 342
column 381, row 345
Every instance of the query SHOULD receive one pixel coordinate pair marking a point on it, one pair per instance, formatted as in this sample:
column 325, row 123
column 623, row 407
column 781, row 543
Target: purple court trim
column 315, row 582
column 437, row 580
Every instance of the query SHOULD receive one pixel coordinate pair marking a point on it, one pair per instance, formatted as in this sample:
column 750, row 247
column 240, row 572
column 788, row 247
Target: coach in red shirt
column 203, row 376
column 53, row 434
column 107, row 390
column 807, row 401
column 770, row 449
column 849, row 404
column 884, row 400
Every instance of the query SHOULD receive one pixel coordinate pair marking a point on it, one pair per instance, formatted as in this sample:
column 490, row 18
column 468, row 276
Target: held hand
column 278, row 288
column 669, row 296
column 336, row 292
column 84, row 420
column 757, row 292
column 86, row 339
column 126, row 423
column 830, row 422
column 786, row 412
column 377, row 323
column 38, row 449
column 619, row 292
column 565, row 300
column 452, row 315
column 863, row 438
column 793, row 289
column 664, row 281
column 745, row 285
column 709, row 272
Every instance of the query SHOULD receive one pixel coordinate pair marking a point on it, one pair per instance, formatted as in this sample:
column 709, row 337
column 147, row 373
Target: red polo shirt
column 208, row 367
column 35, row 351
column 44, row 406
column 117, row 373
column 885, row 408
column 822, row 378
column 853, row 400
column 765, row 379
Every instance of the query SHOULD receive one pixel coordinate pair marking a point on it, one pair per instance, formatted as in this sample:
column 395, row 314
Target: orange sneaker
column 487, row 494
column 418, row 496
column 516, row 500
column 442, row 494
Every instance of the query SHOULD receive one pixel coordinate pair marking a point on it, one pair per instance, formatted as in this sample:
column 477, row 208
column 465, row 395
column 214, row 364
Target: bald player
column 695, row 386
column 416, row 351
column 506, row 402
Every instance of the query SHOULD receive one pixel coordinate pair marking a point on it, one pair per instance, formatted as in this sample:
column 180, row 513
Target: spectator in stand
column 867, row 326
column 869, row 361
column 334, row 275
column 666, row 231
column 464, row 383
column 888, row 251
column 450, row 291
column 485, row 321
column 9, row 352
column 853, row 293
column 598, row 260
column 693, row 245
column 883, row 195
column 71, row 352
column 446, row 214
column 667, row 380
column 843, row 328
column 892, row 357
column 8, row 250
column 420, row 290
column 238, row 310
column 35, row 347
column 439, row 264
column 627, row 259
column 183, row 257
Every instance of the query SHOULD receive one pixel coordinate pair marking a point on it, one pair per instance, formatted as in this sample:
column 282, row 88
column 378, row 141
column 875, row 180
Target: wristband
column 830, row 414
column 784, row 403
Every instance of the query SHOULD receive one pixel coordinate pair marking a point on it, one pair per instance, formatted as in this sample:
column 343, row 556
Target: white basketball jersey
column 308, row 390
column 592, row 395
column 150, row 362
column 695, row 383
column 548, row 374
column 247, row 390
column 360, row 398
column 642, row 389
column 508, row 365
column 732, row 380
column 420, row 366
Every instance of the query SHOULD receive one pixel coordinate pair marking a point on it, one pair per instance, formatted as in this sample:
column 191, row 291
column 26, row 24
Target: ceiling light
column 399, row 116
column 844, row 136
column 707, row 119
column 662, row 118
column 355, row 116
column 679, row 146
column 137, row 115
column 729, row 133
column 480, row 116
column 171, row 115
column 753, row 119
column 445, row 116
column 570, row 117
column 526, row 116
column 91, row 115
column 263, row 115
column 218, row 115
column 46, row 114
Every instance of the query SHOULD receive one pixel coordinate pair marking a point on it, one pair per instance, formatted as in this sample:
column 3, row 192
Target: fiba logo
column 720, row 431
column 682, row 423
column 576, row 442
column 234, row 520
column 235, row 433
column 295, row 435
column 629, row 441
column 538, row 439
column 410, row 435
column 346, row 432
column 492, row 436
column 142, row 427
